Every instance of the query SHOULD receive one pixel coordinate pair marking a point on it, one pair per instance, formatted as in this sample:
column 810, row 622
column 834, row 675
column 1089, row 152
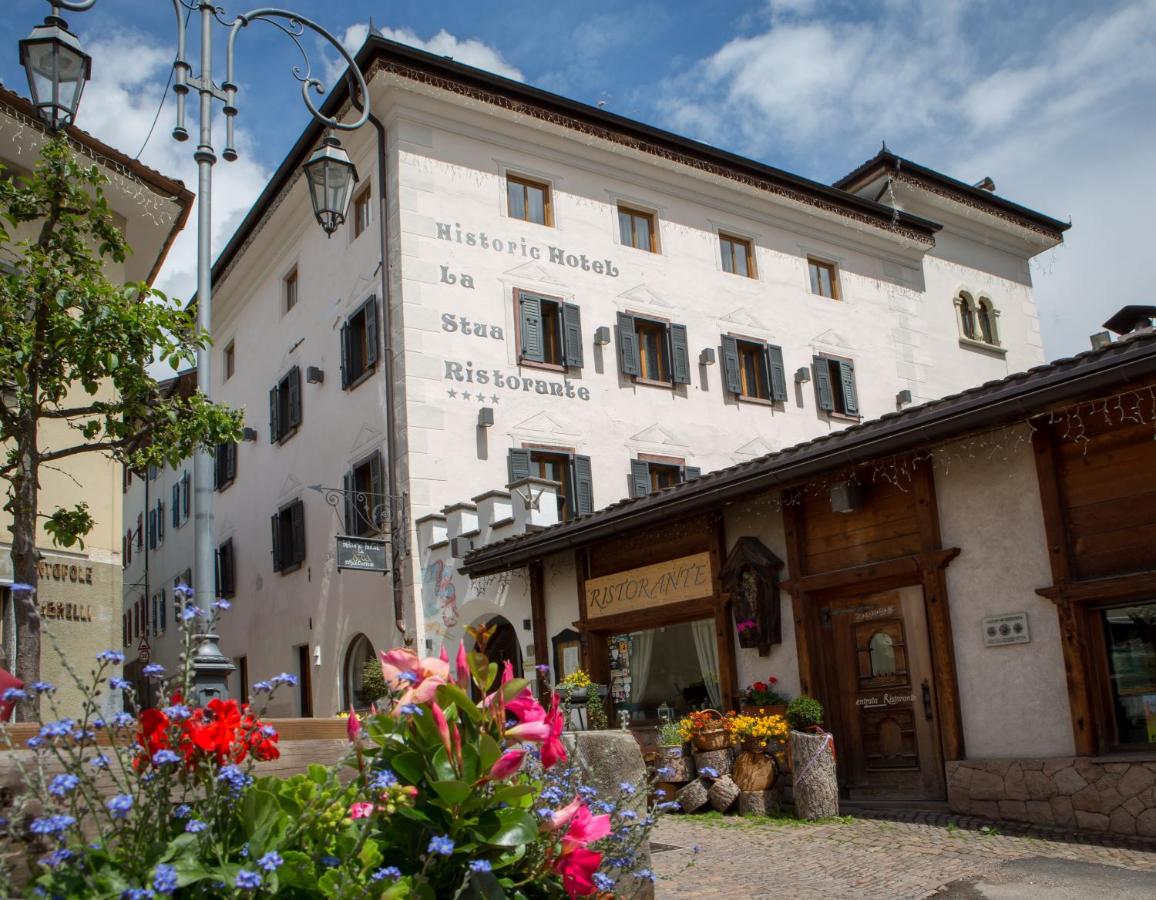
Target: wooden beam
column 538, row 620
column 1118, row 587
column 724, row 631
column 806, row 628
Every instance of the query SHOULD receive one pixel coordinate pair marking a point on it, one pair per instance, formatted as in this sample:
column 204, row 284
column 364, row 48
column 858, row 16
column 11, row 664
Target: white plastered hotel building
column 624, row 305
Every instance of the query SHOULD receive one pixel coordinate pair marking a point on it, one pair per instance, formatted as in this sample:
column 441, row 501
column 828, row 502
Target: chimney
column 1132, row 320
column 985, row 185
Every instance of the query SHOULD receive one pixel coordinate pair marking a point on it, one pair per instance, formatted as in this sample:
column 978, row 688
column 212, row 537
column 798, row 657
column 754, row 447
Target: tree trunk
column 24, row 498
column 816, row 786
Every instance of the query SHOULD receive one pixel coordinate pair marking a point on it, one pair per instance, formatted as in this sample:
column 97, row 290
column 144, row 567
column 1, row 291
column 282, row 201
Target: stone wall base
column 1103, row 794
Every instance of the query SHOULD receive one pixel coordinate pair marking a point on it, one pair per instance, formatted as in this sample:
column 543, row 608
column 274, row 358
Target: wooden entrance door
column 881, row 696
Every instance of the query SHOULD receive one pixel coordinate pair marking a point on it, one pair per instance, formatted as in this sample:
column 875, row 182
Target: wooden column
column 805, row 631
column 724, row 631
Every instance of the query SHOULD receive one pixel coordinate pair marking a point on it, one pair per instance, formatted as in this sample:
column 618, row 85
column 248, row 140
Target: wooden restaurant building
column 969, row 587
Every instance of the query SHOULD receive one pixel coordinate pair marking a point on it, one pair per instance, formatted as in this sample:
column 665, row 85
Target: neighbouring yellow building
column 80, row 590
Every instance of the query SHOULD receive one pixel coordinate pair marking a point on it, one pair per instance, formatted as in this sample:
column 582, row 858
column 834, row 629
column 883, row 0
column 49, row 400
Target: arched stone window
column 360, row 653
column 986, row 315
column 966, row 307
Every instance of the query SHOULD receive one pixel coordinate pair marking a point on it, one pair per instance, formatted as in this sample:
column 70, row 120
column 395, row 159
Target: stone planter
column 816, row 787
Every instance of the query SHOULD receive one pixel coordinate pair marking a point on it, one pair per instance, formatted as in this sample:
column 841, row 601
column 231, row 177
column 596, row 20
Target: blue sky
column 1054, row 100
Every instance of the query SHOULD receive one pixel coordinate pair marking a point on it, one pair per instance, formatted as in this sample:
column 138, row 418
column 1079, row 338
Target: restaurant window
column 289, row 537
column 224, row 465
column 528, row 200
column 362, row 211
column 1130, row 644
column 824, row 278
column 651, row 350
column 738, row 255
column 365, row 496
column 636, row 228
column 835, row 386
column 674, row 665
column 754, row 370
column 572, row 471
column 285, row 407
column 230, row 356
column 549, row 331
column 359, row 344
column 289, row 290
column 649, row 476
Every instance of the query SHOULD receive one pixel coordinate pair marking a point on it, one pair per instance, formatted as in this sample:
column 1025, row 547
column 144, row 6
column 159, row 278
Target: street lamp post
column 57, row 69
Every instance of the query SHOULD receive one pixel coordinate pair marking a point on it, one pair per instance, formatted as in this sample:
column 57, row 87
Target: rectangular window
column 162, row 610
column 652, row 350
column 186, row 494
column 835, row 385
column 362, row 211
column 754, row 370
column 549, row 331
column 128, row 548
column 636, row 228
column 224, row 466
column 528, row 200
column 175, row 505
column 572, row 471
column 226, row 570
column 823, row 280
column 289, row 289
column 230, row 359
column 285, row 407
column 140, row 531
column 152, row 529
column 359, row 342
column 365, row 497
column 304, row 682
column 243, row 677
column 738, row 255
column 1130, row 645
column 649, row 476
column 160, row 522
column 289, row 537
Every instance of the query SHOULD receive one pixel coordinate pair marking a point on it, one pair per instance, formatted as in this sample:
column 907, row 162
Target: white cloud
column 1064, row 120
column 118, row 107
column 470, row 51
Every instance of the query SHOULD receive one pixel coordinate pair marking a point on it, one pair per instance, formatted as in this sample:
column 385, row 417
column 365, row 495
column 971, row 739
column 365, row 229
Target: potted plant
column 764, row 699
column 706, row 729
column 756, row 733
column 673, row 764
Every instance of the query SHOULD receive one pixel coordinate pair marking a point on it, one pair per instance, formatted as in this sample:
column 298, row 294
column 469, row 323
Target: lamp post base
column 211, row 671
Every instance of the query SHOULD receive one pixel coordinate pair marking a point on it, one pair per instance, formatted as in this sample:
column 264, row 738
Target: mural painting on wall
column 439, row 596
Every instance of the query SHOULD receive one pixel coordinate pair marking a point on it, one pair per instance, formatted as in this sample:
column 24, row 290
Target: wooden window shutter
column 732, row 378
column 689, row 472
column 572, row 334
column 350, row 504
column 583, row 486
column 345, row 355
column 297, row 516
column 628, row 358
column 679, row 354
column 639, row 478
column 152, row 529
column 371, row 337
column 186, row 498
column 160, row 521
column 377, row 486
column 274, row 425
column 276, row 542
column 294, row 396
column 778, row 372
column 530, row 326
column 230, row 461
column 823, row 383
column 850, row 397
column 175, row 505
column 518, row 464
column 164, row 609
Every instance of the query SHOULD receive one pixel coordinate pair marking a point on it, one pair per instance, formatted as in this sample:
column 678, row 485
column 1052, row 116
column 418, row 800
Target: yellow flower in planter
column 758, row 729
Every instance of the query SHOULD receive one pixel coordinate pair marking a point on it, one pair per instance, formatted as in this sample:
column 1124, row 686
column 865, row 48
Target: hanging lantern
column 331, row 177
column 57, row 69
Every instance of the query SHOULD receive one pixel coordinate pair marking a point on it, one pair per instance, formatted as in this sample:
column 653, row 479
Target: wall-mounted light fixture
column 707, row 357
column 485, row 417
column 249, row 434
column 802, row 375
column 314, row 375
column 602, row 335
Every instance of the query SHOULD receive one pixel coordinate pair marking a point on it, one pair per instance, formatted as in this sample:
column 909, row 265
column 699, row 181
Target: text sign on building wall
column 366, row 554
column 685, row 578
column 1007, row 629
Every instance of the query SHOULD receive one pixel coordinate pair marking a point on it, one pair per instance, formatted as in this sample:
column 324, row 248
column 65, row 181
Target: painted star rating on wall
column 467, row 396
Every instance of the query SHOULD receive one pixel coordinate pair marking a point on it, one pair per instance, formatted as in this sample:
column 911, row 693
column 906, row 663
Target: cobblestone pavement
column 864, row 859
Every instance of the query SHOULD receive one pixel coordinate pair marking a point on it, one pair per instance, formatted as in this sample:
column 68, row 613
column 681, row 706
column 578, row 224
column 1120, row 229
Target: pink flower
column 353, row 725
column 525, row 708
column 508, row 763
column 462, row 666
column 552, row 749
column 563, row 815
column 443, row 727
column 444, row 655
column 417, row 679
column 361, row 810
column 507, row 672
column 577, row 868
column 585, row 829
column 530, row 731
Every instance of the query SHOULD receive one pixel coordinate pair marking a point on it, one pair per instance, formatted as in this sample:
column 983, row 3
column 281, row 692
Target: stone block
column 1013, row 810
column 1063, row 812
column 757, row 803
column 1110, row 799
column 1039, row 786
column 1068, row 781
column 1091, row 821
column 693, row 797
column 1146, row 823
column 959, row 775
column 993, row 766
column 723, row 793
column 1014, row 787
column 1135, row 780
column 1032, row 765
column 721, row 761
column 1088, row 800
column 1039, row 812
column 986, row 786
column 1121, row 822
column 987, row 809
column 1133, row 805
column 1117, row 768
column 958, row 799
column 1088, row 770
column 1052, row 766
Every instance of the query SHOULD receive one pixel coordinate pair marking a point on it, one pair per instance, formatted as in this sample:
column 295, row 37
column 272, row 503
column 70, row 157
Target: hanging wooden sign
column 685, row 578
column 365, row 554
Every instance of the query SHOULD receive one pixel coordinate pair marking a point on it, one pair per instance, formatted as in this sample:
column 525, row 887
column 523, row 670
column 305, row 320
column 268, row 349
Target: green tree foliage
column 74, row 356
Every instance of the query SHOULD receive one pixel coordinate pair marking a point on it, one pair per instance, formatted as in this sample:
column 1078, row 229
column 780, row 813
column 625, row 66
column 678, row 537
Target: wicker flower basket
column 712, row 738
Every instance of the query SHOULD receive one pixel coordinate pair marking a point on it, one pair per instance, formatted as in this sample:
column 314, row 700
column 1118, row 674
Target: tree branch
column 73, row 412
column 93, row 447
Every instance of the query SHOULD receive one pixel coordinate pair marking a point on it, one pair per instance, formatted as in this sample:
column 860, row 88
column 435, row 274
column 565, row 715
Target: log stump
column 754, row 772
column 816, row 787
column 723, row 793
column 720, row 761
column 680, row 764
column 757, row 803
column 693, row 797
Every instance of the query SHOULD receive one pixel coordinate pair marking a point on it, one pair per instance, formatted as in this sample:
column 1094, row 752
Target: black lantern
column 57, row 70
column 331, row 178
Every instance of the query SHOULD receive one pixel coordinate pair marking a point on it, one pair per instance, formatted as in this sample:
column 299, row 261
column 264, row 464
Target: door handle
column 927, row 700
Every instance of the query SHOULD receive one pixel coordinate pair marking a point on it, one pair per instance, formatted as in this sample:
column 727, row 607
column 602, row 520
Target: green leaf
column 483, row 671
column 452, row 792
column 513, row 687
column 510, row 794
column 409, row 766
column 442, row 766
column 451, row 694
column 507, row 828
column 484, row 886
column 262, row 820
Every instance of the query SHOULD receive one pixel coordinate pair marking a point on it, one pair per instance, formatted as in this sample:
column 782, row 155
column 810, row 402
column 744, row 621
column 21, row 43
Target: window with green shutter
column 359, row 344
column 549, row 331
column 653, row 350
column 285, row 407
column 571, row 471
column 365, row 496
column 835, row 386
column 650, row 476
column 753, row 369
